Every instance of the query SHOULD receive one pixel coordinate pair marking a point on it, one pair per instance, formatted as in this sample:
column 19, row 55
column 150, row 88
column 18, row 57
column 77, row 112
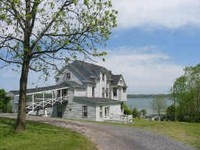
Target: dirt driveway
column 111, row 137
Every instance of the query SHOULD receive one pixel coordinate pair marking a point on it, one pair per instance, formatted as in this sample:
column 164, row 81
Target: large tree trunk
column 20, row 124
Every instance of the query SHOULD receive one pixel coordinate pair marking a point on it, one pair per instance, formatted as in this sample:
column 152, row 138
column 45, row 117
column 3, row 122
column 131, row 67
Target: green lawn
column 40, row 137
column 188, row 133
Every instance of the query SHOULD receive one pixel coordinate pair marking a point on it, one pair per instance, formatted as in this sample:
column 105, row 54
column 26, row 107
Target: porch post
column 33, row 102
column 61, row 95
column 52, row 92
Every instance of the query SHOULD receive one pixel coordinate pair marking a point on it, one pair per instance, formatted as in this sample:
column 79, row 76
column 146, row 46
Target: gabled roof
column 71, row 84
column 87, row 72
column 115, row 79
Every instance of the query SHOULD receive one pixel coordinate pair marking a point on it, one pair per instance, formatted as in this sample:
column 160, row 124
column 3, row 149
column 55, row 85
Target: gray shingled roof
column 115, row 79
column 95, row 100
column 71, row 84
column 87, row 72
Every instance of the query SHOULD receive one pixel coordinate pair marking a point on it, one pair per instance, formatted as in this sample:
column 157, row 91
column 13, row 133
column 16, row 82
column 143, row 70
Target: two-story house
column 82, row 91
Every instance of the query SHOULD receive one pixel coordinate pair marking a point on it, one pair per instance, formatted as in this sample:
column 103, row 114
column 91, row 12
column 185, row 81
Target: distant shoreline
column 148, row 95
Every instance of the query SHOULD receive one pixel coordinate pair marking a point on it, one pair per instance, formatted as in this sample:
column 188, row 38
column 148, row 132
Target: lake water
column 145, row 103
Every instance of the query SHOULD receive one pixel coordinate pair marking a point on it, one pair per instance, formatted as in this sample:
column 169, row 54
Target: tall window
column 114, row 91
column 106, row 92
column 103, row 92
column 93, row 91
column 65, row 92
column 103, row 76
column 84, row 111
column 101, row 112
column 106, row 111
column 124, row 89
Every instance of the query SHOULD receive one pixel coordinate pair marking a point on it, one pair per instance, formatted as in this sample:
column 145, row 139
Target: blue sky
column 152, row 44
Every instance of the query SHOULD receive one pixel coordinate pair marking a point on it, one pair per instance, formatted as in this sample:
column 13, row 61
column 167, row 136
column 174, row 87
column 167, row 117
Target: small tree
column 36, row 34
column 158, row 105
column 135, row 113
column 127, row 110
column 170, row 113
column 143, row 112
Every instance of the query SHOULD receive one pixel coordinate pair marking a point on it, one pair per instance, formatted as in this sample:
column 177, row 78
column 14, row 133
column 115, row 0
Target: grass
column 188, row 133
column 40, row 136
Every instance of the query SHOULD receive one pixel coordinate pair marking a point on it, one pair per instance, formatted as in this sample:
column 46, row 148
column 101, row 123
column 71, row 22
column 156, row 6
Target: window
column 68, row 75
column 101, row 112
column 65, row 92
column 106, row 111
column 93, row 91
column 84, row 111
column 124, row 89
column 103, row 76
column 114, row 91
column 103, row 92
column 58, row 93
column 106, row 92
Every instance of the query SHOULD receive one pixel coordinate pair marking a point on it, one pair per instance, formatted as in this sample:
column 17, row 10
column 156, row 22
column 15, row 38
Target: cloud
column 166, row 13
column 144, row 71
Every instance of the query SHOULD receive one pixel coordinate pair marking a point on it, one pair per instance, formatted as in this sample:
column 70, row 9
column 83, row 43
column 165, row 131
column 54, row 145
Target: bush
column 127, row 110
column 4, row 101
column 135, row 113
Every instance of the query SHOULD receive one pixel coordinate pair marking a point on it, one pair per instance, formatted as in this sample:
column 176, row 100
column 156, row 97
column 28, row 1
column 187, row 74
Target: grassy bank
column 40, row 136
column 188, row 133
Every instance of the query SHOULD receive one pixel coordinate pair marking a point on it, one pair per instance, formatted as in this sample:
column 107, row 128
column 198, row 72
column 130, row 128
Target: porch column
column 43, row 100
column 33, row 102
column 61, row 95
column 52, row 92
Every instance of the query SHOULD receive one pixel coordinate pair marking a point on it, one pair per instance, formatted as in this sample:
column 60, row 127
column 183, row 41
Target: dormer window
column 68, row 75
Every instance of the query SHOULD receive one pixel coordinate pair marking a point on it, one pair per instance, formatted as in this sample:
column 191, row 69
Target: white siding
column 89, row 91
column 74, row 111
column 79, row 92
column 114, row 110
column 62, row 77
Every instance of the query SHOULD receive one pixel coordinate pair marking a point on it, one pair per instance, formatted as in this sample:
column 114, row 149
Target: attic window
column 68, row 75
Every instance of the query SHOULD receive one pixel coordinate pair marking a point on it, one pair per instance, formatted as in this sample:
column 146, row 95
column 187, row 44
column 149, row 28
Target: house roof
column 49, row 88
column 96, row 100
column 115, row 79
column 88, row 72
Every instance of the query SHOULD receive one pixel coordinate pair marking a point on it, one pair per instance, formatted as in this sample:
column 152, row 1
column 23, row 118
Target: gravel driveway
column 111, row 137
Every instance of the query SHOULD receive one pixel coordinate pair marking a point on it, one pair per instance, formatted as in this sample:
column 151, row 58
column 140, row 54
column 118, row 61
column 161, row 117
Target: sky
column 154, row 41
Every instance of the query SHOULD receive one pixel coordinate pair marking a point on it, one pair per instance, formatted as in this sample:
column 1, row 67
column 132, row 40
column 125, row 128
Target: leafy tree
column 187, row 94
column 34, row 34
column 127, row 110
column 4, row 102
column 158, row 105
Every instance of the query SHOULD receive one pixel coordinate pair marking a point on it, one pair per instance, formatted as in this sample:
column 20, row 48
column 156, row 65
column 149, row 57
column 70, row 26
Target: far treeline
column 148, row 95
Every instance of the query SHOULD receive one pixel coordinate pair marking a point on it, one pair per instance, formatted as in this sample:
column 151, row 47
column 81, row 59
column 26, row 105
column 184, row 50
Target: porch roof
column 70, row 84
column 96, row 100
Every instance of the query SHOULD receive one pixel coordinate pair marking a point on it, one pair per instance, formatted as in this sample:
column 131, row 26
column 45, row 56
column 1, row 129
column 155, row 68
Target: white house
column 82, row 91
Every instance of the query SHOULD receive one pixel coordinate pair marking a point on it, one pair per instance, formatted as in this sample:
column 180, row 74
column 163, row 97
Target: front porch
column 40, row 101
